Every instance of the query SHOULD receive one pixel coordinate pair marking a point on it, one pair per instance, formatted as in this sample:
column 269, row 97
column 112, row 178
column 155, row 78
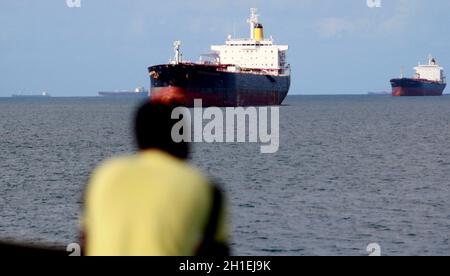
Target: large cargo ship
column 429, row 80
column 243, row 72
column 138, row 92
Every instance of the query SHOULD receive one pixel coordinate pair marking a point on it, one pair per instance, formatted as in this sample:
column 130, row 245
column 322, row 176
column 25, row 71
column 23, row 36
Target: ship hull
column 416, row 88
column 183, row 83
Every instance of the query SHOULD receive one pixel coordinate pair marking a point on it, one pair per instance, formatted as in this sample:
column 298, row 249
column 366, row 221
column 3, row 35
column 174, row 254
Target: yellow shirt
column 151, row 204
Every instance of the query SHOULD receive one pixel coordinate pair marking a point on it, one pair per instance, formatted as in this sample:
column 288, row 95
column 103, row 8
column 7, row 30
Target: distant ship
column 138, row 92
column 429, row 80
column 243, row 72
column 42, row 95
column 379, row 93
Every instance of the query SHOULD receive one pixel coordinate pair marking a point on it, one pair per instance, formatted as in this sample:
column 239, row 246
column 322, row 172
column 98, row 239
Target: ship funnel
column 259, row 32
column 431, row 60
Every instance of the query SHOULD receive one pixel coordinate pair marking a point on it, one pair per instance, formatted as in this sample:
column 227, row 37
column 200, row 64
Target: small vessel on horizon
column 138, row 92
column 41, row 95
column 379, row 93
column 429, row 80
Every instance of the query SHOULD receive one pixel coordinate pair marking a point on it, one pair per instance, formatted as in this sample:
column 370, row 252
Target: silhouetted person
column 153, row 203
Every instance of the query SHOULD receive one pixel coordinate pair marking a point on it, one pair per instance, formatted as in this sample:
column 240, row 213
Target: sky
column 336, row 47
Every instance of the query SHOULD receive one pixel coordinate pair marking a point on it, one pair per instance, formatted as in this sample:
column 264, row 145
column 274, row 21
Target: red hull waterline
column 180, row 96
column 185, row 97
column 415, row 92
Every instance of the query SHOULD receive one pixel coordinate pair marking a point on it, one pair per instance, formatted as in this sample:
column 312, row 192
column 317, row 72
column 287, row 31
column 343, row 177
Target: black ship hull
column 416, row 87
column 183, row 83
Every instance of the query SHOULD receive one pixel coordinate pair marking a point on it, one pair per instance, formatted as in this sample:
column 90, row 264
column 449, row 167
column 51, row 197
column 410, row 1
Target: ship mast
column 253, row 20
column 178, row 55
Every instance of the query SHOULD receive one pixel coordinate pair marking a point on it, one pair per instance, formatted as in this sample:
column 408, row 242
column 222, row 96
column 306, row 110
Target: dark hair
column 153, row 130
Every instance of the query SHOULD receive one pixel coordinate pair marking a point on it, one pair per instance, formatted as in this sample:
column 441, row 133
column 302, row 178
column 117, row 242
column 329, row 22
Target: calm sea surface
column 351, row 170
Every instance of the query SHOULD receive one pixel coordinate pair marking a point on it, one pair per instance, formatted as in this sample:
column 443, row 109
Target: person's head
column 153, row 130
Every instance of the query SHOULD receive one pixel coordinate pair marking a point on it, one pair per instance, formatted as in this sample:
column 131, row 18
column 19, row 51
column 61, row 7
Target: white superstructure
column 432, row 71
column 254, row 54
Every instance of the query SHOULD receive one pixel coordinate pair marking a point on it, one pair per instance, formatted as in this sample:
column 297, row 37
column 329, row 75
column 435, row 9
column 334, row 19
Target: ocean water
column 351, row 170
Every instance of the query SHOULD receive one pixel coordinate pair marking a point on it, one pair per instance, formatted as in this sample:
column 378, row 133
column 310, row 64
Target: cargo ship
column 429, row 80
column 32, row 96
column 243, row 72
column 138, row 92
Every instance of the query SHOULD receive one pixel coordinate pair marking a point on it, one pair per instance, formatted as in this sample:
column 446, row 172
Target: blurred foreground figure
column 153, row 203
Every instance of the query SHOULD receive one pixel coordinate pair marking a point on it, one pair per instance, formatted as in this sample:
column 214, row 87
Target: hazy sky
column 335, row 46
